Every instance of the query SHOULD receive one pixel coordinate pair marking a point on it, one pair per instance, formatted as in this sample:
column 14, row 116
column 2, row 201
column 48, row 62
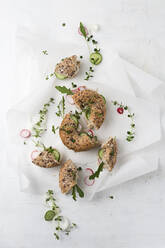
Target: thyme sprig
column 121, row 108
column 37, row 128
column 53, row 215
column 61, row 108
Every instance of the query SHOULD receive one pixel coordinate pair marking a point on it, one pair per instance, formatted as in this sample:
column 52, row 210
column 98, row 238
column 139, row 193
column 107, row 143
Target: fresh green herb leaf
column 97, row 172
column 74, row 193
column 82, row 29
column 79, row 191
column 111, row 196
column 79, row 168
column 63, row 24
column 45, row 52
column 64, row 90
column 54, row 129
column 81, row 57
column 74, row 85
column 56, row 235
column 61, row 108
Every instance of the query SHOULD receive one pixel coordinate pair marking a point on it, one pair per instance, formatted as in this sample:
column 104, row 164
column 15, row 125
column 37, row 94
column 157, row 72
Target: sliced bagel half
column 72, row 138
column 93, row 105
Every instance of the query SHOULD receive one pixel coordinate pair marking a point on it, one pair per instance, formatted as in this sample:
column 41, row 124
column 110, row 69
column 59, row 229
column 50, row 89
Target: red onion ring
column 25, row 133
column 81, row 88
column 34, row 154
column 87, row 181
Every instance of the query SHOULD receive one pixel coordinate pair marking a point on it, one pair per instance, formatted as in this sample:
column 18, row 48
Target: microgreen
column 45, row 52
column 64, row 90
column 53, row 215
column 74, row 85
column 54, row 129
column 63, row 24
column 79, row 191
column 61, row 108
column 82, row 29
column 37, row 128
column 97, row 172
column 121, row 108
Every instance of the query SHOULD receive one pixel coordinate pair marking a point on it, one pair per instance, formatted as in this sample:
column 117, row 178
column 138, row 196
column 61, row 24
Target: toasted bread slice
column 67, row 176
column 73, row 139
column 94, row 106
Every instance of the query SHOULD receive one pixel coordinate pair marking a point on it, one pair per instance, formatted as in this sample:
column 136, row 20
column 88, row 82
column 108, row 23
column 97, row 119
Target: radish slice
column 90, row 132
column 70, row 99
column 81, row 88
column 75, row 90
column 34, row 154
column 25, row 133
column 87, row 181
column 79, row 127
column 86, row 31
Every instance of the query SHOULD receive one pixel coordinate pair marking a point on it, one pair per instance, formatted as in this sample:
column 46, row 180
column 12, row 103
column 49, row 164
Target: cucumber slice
column 87, row 113
column 74, row 118
column 100, row 153
column 83, row 133
column 49, row 215
column 95, row 58
column 103, row 98
column 56, row 155
column 60, row 76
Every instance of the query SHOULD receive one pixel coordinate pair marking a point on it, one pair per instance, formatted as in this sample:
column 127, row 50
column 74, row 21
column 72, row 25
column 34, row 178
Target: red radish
column 120, row 110
column 75, row 90
column 25, row 133
column 34, row 154
column 86, row 31
column 90, row 132
column 87, row 181
column 69, row 99
column 81, row 88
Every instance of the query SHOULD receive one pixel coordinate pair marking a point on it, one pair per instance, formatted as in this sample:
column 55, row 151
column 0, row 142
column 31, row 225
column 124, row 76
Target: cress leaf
column 64, row 90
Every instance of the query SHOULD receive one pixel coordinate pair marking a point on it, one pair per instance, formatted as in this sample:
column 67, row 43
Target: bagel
column 71, row 138
column 67, row 176
column 48, row 158
column 108, row 153
column 67, row 68
column 94, row 106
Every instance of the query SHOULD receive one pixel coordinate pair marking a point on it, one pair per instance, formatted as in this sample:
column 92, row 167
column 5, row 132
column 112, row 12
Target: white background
column 136, row 215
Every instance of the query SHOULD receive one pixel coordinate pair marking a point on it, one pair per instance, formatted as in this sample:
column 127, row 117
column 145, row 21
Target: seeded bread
column 74, row 140
column 67, row 176
column 109, row 154
column 94, row 103
column 45, row 159
column 68, row 67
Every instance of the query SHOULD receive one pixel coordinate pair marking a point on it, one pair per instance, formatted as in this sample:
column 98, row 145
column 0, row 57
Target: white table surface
column 136, row 215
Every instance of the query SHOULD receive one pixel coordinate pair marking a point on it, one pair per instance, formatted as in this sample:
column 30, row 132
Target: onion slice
column 81, row 88
column 25, row 133
column 34, row 154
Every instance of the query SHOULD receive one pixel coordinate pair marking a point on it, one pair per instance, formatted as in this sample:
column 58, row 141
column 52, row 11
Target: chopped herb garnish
column 74, row 85
column 64, row 90
column 63, row 24
column 54, row 129
column 79, row 168
column 111, row 196
column 45, row 52
column 24, row 143
column 97, row 172
column 72, row 140
column 81, row 57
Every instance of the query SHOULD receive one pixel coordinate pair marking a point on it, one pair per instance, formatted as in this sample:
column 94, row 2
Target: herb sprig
column 45, row 52
column 64, row 90
column 37, row 128
column 53, row 215
column 54, row 129
column 97, row 172
column 121, row 108
column 61, row 108
column 79, row 191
